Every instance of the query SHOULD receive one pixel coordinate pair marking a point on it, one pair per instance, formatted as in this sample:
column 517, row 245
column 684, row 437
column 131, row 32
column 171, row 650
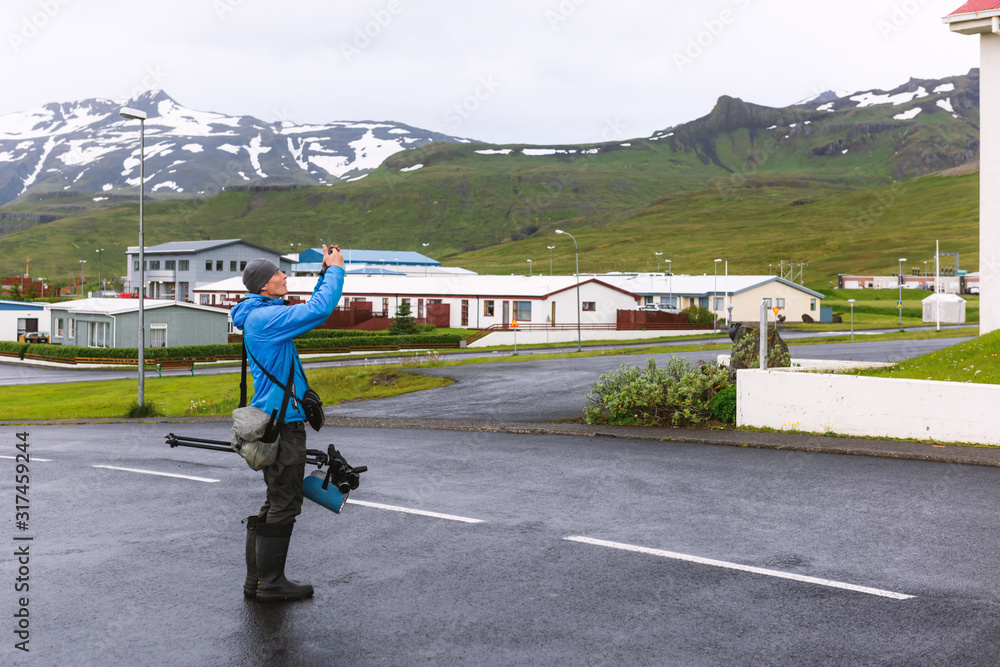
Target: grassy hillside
column 749, row 184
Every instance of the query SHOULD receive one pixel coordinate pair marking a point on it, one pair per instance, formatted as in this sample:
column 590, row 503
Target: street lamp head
column 717, row 260
column 850, row 301
column 559, row 231
column 658, row 254
column 132, row 114
column 550, row 247
column 902, row 259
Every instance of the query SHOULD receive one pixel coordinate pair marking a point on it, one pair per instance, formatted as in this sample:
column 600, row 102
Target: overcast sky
column 503, row 71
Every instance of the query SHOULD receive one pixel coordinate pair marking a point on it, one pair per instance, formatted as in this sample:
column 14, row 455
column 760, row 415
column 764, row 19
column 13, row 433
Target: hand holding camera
column 331, row 255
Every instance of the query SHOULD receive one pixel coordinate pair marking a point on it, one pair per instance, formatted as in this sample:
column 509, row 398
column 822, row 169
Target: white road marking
column 32, row 460
column 161, row 474
column 736, row 566
column 407, row 510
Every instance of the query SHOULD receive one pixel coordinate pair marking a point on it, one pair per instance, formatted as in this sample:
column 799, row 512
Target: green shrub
column 136, row 411
column 677, row 393
column 723, row 405
column 340, row 333
column 698, row 314
column 13, row 347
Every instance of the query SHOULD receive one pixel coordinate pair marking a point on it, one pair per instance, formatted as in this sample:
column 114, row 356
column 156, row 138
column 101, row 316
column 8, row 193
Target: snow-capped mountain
column 87, row 146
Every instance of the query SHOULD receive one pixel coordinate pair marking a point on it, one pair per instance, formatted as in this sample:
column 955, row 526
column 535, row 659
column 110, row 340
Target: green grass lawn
column 976, row 360
column 207, row 395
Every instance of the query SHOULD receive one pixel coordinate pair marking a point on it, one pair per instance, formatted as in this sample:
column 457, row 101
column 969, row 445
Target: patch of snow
column 49, row 145
column 106, row 187
column 167, row 184
column 229, row 148
column 357, row 178
column 793, row 125
column 177, row 120
column 946, row 105
column 334, row 164
column 370, row 151
column 413, row 168
column 80, row 154
column 494, row 151
column 8, row 156
column 825, row 107
column 256, row 149
column 591, row 151
column 243, row 176
column 411, row 140
column 398, row 130
column 773, row 127
column 297, row 154
column 945, row 88
column 870, row 99
column 193, row 148
column 626, row 145
column 786, row 136
column 100, row 198
column 908, row 115
column 844, row 152
column 546, row 151
column 807, row 122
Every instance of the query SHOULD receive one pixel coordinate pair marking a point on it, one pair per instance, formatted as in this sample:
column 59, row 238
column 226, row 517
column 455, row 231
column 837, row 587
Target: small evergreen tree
column 403, row 323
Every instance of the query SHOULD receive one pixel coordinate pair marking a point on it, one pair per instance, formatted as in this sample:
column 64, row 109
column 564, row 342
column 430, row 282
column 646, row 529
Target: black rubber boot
column 250, row 585
column 272, row 548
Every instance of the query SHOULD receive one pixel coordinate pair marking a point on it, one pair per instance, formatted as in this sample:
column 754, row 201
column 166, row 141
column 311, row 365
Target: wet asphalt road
column 129, row 568
column 132, row 568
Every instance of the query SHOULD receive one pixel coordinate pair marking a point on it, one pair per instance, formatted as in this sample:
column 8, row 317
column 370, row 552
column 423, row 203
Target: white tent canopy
column 950, row 306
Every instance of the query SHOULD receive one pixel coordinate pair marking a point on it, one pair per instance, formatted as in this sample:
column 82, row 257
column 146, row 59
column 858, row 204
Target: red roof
column 973, row 6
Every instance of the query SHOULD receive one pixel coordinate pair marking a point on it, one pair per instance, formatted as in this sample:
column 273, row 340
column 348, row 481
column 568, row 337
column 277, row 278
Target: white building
column 18, row 318
column 469, row 301
column 945, row 308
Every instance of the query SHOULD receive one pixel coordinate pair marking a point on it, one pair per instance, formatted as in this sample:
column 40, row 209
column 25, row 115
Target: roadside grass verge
column 977, row 361
column 207, row 395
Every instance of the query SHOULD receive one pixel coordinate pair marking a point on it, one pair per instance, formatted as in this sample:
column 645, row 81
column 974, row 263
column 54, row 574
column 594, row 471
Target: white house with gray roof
column 115, row 323
column 174, row 269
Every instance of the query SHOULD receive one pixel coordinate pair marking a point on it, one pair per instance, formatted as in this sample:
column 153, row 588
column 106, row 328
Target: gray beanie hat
column 257, row 273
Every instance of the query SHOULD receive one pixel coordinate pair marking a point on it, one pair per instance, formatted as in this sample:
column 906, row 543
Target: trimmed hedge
column 12, row 347
column 71, row 353
column 342, row 333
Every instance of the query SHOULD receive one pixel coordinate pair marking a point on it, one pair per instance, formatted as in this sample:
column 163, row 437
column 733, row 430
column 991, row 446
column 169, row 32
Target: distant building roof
column 650, row 284
column 118, row 306
column 373, row 270
column 974, row 6
column 387, row 257
column 176, row 247
column 19, row 305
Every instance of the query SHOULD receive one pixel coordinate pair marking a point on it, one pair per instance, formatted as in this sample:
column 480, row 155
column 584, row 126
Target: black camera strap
column 274, row 425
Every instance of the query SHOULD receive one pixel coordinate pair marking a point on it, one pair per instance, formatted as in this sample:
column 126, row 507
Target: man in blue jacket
column 269, row 327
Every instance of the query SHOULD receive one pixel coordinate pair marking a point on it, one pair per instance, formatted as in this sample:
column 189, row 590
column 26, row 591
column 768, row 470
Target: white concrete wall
column 865, row 406
column 989, row 175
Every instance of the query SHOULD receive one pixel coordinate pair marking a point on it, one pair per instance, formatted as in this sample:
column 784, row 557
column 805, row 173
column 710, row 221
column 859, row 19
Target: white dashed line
column 161, row 474
column 22, row 456
column 737, row 566
column 407, row 510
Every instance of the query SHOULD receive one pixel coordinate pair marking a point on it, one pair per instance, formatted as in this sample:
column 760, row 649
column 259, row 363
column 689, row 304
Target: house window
column 170, row 265
column 522, row 311
column 154, row 265
column 703, row 302
column 590, row 305
column 780, row 302
column 135, row 265
column 420, row 309
column 243, row 265
column 487, row 308
column 812, row 305
column 183, row 265
column 385, row 306
column 465, row 312
column 97, row 334
column 668, row 301
column 218, row 265
column 60, row 331
column 208, row 265
column 719, row 303
column 72, row 329
column 767, row 303
column 157, row 335
column 232, row 265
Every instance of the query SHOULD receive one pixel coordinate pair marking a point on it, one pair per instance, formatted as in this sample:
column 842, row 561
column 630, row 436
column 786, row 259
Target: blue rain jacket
column 268, row 329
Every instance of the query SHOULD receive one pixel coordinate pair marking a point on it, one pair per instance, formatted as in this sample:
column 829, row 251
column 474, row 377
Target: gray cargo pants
column 284, row 476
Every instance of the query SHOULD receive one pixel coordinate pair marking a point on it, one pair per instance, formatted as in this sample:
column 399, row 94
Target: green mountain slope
column 747, row 183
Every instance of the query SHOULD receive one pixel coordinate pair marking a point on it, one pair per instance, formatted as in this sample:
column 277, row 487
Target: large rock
column 746, row 348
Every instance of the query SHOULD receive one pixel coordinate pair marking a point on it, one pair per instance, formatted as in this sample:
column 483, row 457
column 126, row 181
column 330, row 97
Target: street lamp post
column 851, row 301
column 579, row 344
column 135, row 114
column 99, row 279
column 657, row 260
column 425, row 250
column 529, row 268
column 550, row 247
column 82, row 262
column 900, row 304
column 670, row 283
column 715, row 290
